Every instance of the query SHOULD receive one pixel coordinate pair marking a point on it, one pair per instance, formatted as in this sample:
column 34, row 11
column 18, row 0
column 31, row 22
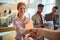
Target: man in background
column 38, row 18
column 53, row 16
column 6, row 13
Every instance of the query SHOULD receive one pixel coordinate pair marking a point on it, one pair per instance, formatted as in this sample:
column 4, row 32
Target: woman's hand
column 38, row 37
column 29, row 25
column 26, row 36
column 34, row 33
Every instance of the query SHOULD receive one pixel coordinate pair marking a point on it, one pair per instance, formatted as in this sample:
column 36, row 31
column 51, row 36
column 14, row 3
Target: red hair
column 20, row 4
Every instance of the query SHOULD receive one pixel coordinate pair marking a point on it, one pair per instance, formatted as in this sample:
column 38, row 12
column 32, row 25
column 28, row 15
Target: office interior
column 7, row 31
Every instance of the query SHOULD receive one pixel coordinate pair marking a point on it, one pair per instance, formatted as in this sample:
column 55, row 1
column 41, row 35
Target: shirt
column 20, row 27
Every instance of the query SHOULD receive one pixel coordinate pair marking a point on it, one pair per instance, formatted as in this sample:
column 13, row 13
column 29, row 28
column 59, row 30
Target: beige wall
column 6, row 7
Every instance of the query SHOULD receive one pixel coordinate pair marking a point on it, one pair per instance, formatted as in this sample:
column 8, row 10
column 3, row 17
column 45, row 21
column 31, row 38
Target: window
column 32, row 7
column 48, row 4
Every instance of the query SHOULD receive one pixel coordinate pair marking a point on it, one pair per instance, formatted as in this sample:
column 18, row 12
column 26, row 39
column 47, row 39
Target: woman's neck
column 22, row 17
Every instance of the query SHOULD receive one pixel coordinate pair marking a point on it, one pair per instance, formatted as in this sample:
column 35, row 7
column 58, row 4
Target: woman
column 20, row 21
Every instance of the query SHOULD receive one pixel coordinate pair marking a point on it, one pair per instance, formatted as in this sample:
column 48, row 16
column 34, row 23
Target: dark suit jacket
column 56, row 18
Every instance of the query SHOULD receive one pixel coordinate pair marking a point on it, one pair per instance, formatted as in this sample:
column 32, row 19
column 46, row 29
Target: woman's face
column 22, row 10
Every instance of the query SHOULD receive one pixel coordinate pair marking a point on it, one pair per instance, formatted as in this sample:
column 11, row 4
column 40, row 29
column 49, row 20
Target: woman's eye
column 20, row 8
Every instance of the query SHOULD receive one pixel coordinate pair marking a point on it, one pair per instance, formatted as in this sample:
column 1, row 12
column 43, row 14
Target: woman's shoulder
column 28, row 19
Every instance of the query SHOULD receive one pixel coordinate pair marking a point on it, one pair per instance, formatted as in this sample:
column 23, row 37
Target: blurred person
column 53, row 16
column 11, row 18
column 6, row 13
column 38, row 19
column 10, row 11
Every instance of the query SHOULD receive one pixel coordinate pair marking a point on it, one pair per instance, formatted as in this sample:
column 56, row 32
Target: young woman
column 20, row 21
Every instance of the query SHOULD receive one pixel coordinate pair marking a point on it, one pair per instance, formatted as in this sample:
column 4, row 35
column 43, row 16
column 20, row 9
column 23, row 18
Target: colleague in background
column 10, row 11
column 38, row 18
column 6, row 13
column 11, row 18
column 53, row 16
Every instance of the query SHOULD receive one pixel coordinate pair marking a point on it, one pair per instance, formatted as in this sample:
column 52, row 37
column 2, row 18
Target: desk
column 5, row 29
column 48, row 33
column 6, row 32
column 10, row 35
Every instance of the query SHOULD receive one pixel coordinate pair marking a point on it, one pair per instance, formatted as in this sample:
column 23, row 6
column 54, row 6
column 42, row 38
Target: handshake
column 34, row 33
